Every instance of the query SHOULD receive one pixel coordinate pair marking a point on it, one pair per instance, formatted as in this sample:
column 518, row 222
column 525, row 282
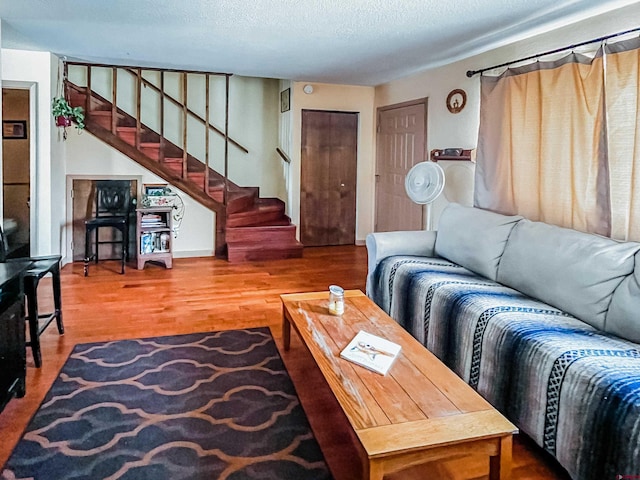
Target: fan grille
column 424, row 182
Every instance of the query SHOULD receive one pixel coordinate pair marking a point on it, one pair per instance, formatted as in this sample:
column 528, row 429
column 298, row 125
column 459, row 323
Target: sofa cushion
column 573, row 271
column 623, row 317
column 473, row 238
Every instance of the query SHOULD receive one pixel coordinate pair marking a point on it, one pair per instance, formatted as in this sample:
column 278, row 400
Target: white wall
column 344, row 98
column 253, row 121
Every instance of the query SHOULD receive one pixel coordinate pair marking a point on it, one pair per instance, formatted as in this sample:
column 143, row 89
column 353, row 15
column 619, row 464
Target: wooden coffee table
column 420, row 411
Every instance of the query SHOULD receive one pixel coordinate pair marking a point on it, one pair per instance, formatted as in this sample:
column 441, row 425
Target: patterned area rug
column 202, row 406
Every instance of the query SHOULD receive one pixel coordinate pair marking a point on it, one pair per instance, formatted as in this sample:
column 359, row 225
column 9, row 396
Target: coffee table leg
column 373, row 470
column 286, row 332
column 500, row 465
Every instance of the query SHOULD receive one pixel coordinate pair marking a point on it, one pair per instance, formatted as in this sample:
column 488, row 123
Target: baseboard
column 361, row 243
column 193, row 253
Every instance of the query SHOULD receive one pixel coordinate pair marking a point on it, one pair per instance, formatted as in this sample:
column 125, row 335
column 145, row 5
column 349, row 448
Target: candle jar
column 164, row 242
column 336, row 300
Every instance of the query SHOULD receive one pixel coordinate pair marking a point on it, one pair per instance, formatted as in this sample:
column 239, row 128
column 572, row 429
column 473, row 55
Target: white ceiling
column 359, row 42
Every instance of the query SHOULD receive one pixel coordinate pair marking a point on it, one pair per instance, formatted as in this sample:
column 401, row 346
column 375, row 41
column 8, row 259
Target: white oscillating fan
column 424, row 182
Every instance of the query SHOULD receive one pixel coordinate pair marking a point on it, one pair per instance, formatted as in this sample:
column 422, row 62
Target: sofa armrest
column 386, row 244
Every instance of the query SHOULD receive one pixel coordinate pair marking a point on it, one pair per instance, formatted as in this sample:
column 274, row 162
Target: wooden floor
column 207, row 294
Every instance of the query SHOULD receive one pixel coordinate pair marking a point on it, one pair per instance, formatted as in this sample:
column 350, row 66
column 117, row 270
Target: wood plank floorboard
column 207, row 294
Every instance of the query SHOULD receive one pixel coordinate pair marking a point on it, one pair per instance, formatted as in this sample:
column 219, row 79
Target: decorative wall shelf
column 468, row 155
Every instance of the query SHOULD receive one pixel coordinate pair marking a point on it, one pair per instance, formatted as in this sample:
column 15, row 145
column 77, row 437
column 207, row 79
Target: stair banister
column 114, row 100
column 283, row 155
column 226, row 139
column 88, row 104
column 138, row 107
column 206, row 130
column 185, row 119
column 132, row 70
column 151, row 69
column 191, row 112
column 162, row 139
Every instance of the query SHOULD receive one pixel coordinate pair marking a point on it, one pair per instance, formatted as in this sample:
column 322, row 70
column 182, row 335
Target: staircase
column 248, row 227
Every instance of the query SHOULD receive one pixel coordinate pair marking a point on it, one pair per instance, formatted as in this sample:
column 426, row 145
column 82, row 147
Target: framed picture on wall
column 14, row 129
column 154, row 189
column 285, row 100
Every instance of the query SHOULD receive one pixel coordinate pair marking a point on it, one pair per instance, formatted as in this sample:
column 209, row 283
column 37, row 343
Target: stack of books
column 151, row 220
column 147, row 243
column 154, row 242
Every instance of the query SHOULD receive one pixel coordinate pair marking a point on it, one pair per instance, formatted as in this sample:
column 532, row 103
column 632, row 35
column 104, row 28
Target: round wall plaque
column 456, row 100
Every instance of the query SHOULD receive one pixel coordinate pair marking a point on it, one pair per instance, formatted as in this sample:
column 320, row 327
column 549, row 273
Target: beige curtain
column 623, row 107
column 541, row 149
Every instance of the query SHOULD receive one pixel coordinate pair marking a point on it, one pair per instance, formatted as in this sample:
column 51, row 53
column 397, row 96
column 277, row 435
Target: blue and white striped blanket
column 573, row 389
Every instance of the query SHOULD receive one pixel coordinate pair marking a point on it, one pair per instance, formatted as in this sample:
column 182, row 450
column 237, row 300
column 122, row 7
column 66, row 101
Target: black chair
column 38, row 322
column 112, row 209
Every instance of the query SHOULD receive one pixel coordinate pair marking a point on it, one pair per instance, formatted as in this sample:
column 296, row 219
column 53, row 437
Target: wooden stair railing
column 247, row 227
column 213, row 128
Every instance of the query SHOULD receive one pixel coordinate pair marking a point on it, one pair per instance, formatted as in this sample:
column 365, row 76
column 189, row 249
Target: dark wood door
column 328, row 178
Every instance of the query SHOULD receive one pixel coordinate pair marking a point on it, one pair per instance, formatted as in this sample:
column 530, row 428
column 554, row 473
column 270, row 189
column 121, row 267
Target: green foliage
column 61, row 108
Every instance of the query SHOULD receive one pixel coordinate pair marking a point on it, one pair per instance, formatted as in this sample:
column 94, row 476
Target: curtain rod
column 471, row 73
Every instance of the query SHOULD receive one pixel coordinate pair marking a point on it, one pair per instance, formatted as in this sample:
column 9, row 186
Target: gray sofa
column 543, row 321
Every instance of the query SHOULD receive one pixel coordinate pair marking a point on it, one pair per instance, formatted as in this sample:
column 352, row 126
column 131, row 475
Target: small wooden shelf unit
column 153, row 236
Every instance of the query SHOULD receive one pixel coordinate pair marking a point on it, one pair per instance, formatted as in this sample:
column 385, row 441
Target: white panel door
column 401, row 144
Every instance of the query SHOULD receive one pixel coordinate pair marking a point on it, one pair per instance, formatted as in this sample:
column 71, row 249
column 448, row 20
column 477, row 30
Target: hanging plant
column 65, row 114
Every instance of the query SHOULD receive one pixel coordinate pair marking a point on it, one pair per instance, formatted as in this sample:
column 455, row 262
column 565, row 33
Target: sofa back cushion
column 570, row 270
column 473, row 238
column 623, row 317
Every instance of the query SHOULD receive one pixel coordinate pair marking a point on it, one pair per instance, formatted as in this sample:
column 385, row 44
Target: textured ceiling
column 360, row 42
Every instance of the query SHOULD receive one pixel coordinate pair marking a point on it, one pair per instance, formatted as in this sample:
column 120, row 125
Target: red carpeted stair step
column 262, row 234
column 242, row 199
column 216, row 188
column 174, row 164
column 151, row 150
column 258, row 251
column 263, row 210
column 217, row 194
column 128, row 134
column 102, row 118
column 197, row 178
column 78, row 98
column 284, row 220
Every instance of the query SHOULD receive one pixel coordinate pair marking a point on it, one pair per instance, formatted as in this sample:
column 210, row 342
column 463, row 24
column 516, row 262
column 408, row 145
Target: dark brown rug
column 216, row 405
